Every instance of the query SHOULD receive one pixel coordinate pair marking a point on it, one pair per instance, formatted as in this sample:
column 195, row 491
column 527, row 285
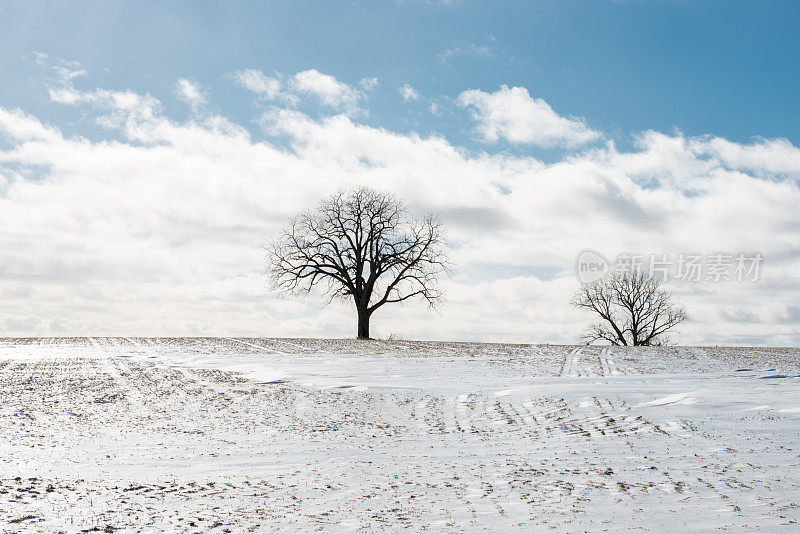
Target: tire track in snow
column 571, row 363
column 607, row 365
column 576, row 364
column 258, row 347
column 120, row 372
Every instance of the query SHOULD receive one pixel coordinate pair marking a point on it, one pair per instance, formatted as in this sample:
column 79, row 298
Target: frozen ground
column 232, row 435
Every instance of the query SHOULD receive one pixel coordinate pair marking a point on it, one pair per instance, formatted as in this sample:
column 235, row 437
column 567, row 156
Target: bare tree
column 361, row 245
column 633, row 308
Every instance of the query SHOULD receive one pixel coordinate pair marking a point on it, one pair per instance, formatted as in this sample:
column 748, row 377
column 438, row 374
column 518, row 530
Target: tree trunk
column 363, row 324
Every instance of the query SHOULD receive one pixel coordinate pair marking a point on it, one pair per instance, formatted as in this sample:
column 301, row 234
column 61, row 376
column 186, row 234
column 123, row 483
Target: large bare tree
column 360, row 244
column 632, row 306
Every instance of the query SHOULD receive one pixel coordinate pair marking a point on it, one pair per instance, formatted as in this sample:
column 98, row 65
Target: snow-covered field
column 236, row 435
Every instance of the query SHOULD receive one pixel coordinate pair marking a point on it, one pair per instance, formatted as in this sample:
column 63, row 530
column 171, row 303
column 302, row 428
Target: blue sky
column 149, row 149
column 726, row 68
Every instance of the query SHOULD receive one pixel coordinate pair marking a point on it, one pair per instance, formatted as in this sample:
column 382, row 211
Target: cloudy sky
column 148, row 151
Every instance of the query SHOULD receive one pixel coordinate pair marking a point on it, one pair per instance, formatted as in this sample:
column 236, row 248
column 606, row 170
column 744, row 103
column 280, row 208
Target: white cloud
column 324, row 88
column 30, row 323
column 65, row 71
column 408, row 93
column 254, row 80
column 327, row 89
column 65, row 95
column 136, row 115
column 368, row 84
column 471, row 49
column 19, row 127
column 776, row 156
column 60, row 83
column 158, row 232
column 512, row 114
column 190, row 92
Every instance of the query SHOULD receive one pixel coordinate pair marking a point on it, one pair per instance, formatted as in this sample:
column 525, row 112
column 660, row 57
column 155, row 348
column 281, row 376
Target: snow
column 275, row 434
column 677, row 398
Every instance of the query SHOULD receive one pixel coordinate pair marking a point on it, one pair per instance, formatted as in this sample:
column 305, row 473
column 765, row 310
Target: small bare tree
column 633, row 308
column 361, row 245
